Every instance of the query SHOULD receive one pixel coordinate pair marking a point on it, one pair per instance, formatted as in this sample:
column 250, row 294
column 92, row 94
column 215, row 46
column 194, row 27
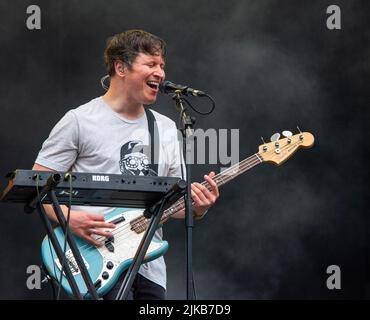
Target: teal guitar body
column 104, row 264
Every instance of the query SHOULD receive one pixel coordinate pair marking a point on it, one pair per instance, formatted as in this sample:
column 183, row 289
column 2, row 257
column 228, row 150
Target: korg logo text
column 100, row 178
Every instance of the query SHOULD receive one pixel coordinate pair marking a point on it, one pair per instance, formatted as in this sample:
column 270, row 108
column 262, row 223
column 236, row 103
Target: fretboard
column 141, row 223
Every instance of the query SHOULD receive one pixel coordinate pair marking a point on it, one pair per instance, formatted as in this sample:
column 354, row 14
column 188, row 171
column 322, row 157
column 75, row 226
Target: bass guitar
column 106, row 263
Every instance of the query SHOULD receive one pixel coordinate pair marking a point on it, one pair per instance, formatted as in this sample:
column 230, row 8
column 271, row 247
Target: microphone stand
column 187, row 132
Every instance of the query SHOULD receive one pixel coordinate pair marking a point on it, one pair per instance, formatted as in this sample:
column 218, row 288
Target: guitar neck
column 220, row 179
column 141, row 223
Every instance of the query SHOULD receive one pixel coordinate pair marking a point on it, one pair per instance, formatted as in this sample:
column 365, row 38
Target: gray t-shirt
column 94, row 138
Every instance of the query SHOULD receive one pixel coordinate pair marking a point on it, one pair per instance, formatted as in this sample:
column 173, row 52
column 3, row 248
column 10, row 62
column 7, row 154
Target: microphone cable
column 200, row 112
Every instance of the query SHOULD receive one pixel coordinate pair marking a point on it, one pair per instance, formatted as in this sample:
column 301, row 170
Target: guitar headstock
column 280, row 150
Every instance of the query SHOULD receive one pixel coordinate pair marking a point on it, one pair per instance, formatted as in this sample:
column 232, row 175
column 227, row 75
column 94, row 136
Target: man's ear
column 120, row 68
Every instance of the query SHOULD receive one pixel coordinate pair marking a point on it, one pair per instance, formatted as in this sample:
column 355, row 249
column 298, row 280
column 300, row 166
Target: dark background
column 270, row 66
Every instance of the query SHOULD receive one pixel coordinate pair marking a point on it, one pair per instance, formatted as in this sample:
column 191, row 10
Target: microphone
column 169, row 87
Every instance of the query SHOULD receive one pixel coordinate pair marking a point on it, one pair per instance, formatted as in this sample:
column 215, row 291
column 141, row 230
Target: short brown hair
column 127, row 45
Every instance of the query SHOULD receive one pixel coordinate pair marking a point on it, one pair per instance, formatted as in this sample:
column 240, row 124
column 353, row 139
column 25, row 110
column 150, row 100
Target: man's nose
column 159, row 72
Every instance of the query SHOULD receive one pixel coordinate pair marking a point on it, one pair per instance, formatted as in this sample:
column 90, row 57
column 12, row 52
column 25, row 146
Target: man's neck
column 119, row 103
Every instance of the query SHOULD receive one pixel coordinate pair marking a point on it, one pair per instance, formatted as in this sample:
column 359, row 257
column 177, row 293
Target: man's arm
column 83, row 224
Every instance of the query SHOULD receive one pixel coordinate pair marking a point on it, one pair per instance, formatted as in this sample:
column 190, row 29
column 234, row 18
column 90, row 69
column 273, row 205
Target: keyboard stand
column 36, row 203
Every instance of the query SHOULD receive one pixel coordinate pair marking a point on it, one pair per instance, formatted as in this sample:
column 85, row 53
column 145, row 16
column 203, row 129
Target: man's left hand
column 202, row 197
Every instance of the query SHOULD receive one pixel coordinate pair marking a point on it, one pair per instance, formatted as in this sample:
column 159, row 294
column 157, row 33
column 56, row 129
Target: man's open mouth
column 153, row 84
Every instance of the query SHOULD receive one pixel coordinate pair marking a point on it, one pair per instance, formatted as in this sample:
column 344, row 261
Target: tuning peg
column 287, row 133
column 301, row 135
column 264, row 147
column 275, row 137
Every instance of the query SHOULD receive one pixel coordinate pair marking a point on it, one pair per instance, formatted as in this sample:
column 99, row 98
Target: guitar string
column 246, row 163
column 222, row 177
column 90, row 248
column 136, row 223
column 141, row 220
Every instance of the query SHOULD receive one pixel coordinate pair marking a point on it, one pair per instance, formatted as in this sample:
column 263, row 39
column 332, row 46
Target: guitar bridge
column 70, row 261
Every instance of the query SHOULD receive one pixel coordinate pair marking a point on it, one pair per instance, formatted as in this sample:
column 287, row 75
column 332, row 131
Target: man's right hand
column 82, row 224
column 85, row 225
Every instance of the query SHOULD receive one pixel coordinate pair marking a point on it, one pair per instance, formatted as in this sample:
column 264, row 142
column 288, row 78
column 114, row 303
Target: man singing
column 109, row 134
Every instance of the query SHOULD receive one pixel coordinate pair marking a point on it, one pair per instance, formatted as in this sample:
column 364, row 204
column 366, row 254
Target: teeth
column 153, row 83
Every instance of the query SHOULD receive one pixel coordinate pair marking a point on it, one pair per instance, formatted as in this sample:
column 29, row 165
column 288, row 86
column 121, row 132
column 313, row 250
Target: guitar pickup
column 109, row 244
column 118, row 220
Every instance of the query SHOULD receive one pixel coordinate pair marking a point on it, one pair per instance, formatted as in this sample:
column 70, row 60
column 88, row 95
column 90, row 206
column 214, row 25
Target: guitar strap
column 154, row 135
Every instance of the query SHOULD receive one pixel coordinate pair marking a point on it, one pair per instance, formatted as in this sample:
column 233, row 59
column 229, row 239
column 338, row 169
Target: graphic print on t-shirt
column 134, row 159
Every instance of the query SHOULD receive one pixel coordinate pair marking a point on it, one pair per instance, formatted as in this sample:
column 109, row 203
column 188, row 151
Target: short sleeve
column 60, row 149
